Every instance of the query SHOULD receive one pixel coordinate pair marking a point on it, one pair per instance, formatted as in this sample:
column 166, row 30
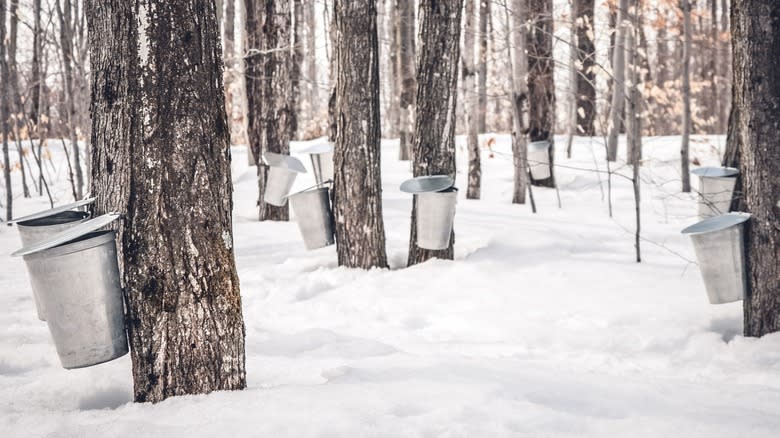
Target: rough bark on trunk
column 296, row 68
column 35, row 82
column 484, row 14
column 686, row 95
column 616, row 109
column 586, row 62
column 519, row 101
column 406, row 60
column 4, row 112
column 473, row 97
column 269, row 85
column 360, row 231
column 541, row 81
column 434, row 127
column 756, row 46
column 310, row 18
column 633, row 126
column 162, row 157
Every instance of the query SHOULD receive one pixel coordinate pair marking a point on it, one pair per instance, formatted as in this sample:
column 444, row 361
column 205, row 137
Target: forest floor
column 543, row 325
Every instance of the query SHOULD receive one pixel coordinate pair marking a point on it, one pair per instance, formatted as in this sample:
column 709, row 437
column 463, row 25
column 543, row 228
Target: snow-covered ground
column 543, row 325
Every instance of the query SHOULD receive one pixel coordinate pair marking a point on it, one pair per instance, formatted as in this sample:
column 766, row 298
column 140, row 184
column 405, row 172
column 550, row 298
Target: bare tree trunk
column 360, row 232
column 310, row 19
column 586, row 65
column 484, row 16
column 755, row 37
column 571, row 124
column 4, row 113
column 519, row 101
column 270, row 97
column 66, row 47
column 296, row 68
column 392, row 24
column 686, row 92
column 541, row 81
column 162, row 157
column 16, row 108
column 616, row 109
column 405, row 11
column 724, row 65
column 473, row 96
column 633, row 127
column 437, row 94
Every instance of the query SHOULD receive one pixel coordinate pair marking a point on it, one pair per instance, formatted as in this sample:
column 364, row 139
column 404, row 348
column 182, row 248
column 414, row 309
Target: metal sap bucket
column 539, row 159
column 719, row 245
column 321, row 161
column 281, row 176
column 78, row 275
column 44, row 224
column 435, row 216
column 314, row 217
column 716, row 188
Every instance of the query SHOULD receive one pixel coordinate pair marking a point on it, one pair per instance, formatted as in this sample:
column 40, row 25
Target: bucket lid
column 544, row 144
column 715, row 172
column 422, row 184
column 285, row 161
column 319, row 148
column 53, row 211
column 69, row 234
column 717, row 223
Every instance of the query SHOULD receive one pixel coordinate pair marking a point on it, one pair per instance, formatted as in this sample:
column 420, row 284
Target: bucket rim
column 716, row 223
column 84, row 242
column 30, row 225
column 428, row 183
column 53, row 211
column 272, row 159
column 715, row 172
column 541, row 144
column 71, row 233
column 307, row 191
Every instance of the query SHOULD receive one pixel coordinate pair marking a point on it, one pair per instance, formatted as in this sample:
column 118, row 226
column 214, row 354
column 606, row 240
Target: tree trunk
column 473, row 97
column 616, row 109
column 755, row 37
column 269, row 85
column 712, row 68
column 406, row 60
column 541, row 81
column 66, row 46
column 310, row 19
column 296, row 68
column 686, row 95
column 437, row 94
column 586, row 61
column 484, row 14
column 35, row 82
column 161, row 156
column 4, row 112
column 633, row 120
column 360, row 231
column 519, row 101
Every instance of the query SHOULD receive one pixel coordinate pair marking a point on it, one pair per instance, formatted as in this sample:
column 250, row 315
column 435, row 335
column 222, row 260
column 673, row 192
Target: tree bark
column 297, row 67
column 36, row 62
column 519, row 101
column 269, row 84
column 310, row 18
column 617, row 107
column 633, row 120
column 586, row 61
column 686, row 95
column 405, row 11
column 473, row 95
column 434, row 127
column 360, row 231
column 541, row 81
column 162, row 157
column 484, row 15
column 755, row 37
column 4, row 112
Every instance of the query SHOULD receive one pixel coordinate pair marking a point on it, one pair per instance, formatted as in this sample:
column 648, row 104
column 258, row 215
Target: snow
column 543, row 325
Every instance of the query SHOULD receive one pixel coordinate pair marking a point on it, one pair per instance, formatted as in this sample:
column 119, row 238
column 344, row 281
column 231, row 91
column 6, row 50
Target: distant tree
column 357, row 199
column 755, row 37
column 586, row 63
column 483, row 34
column 618, row 91
column 437, row 81
column 161, row 156
column 473, row 95
column 519, row 101
column 4, row 114
column 270, row 94
column 686, row 95
column 406, row 61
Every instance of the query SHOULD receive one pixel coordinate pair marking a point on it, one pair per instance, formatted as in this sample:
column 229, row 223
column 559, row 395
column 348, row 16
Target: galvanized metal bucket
column 716, row 188
column 719, row 245
column 539, row 159
column 281, row 176
column 321, row 161
column 44, row 224
column 435, row 218
column 314, row 216
column 78, row 275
